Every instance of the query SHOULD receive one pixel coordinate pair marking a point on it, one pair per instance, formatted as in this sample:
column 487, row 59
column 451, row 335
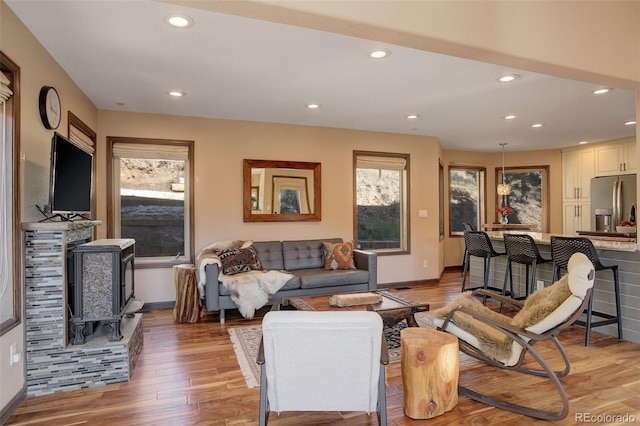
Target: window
column 529, row 193
column 466, row 198
column 381, row 201
column 84, row 136
column 151, row 198
column 10, row 241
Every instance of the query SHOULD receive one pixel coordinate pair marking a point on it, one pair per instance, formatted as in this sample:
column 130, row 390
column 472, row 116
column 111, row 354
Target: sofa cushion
column 270, row 253
column 239, row 260
column 319, row 277
column 304, row 254
column 338, row 255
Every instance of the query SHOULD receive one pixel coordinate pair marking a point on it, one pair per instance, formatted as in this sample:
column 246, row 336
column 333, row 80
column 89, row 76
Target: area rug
column 246, row 341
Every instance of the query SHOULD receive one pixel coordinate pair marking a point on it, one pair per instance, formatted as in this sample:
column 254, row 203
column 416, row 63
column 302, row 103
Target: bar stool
column 522, row 249
column 478, row 244
column 467, row 227
column 561, row 250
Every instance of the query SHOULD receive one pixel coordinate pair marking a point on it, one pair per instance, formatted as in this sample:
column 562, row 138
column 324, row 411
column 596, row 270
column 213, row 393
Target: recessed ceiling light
column 379, row 54
column 582, row 142
column 629, row 123
column 510, row 117
column 602, row 91
column 412, row 116
column 536, row 125
column 313, row 106
column 508, row 78
column 179, row 20
column 176, row 93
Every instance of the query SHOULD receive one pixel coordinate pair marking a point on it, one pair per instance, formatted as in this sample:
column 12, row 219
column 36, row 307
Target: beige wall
column 37, row 69
column 220, row 147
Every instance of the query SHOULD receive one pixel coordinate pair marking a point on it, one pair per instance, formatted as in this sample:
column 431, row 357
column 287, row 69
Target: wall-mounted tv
column 70, row 188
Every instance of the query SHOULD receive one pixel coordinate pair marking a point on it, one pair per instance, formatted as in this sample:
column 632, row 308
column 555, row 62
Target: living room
column 221, row 145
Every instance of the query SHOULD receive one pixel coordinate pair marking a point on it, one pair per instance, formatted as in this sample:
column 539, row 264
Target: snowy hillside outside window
column 151, row 198
column 382, row 202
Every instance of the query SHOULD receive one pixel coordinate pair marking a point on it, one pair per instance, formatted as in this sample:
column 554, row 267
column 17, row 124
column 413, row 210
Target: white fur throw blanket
column 248, row 290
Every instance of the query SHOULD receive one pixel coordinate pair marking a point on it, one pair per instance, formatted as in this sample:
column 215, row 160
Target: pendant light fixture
column 503, row 188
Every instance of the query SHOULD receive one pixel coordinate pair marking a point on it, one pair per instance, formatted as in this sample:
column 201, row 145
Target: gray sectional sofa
column 304, row 259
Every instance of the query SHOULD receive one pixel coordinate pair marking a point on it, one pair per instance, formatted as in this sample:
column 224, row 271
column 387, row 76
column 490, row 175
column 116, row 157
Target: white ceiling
column 124, row 57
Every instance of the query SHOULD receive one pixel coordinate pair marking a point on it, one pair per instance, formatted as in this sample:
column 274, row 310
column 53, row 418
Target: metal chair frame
column 561, row 250
column 526, row 339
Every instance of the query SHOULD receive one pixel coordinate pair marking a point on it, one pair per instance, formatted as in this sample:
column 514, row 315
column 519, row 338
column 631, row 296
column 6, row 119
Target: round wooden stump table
column 188, row 307
column 430, row 368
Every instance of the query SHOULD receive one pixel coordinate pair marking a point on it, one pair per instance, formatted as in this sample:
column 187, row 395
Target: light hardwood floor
column 187, row 374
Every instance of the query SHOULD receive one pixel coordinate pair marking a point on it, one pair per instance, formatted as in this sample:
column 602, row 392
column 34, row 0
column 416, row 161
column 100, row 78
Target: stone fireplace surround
column 53, row 364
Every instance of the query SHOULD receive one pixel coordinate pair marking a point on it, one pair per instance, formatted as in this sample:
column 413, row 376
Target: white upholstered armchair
column 322, row 361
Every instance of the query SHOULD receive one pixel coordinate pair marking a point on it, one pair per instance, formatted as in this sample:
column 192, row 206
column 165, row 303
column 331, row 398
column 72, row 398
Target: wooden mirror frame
column 248, row 216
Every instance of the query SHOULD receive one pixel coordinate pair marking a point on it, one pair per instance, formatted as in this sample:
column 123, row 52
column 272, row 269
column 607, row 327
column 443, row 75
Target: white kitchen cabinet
column 578, row 168
column 576, row 217
column 616, row 159
column 630, row 155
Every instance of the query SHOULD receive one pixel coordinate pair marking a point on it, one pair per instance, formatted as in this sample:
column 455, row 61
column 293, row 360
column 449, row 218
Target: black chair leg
column 534, row 266
column 465, row 270
column 464, row 259
column 487, row 267
column 616, row 284
column 588, row 320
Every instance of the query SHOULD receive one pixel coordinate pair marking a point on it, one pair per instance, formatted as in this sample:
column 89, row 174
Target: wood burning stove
column 104, row 287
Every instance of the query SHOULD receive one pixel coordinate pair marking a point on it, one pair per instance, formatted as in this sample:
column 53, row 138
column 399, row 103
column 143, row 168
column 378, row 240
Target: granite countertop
column 544, row 238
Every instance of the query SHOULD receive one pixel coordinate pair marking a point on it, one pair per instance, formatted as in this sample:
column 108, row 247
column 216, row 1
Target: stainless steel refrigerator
column 611, row 200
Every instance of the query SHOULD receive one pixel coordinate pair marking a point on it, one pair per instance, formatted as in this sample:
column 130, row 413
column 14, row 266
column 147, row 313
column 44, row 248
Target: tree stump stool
column 430, row 368
column 188, row 307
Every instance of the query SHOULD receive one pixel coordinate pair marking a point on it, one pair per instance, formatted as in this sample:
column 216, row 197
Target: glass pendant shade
column 504, row 189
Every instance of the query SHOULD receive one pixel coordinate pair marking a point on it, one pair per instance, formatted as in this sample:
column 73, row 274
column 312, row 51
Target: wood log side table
column 430, row 369
column 188, row 307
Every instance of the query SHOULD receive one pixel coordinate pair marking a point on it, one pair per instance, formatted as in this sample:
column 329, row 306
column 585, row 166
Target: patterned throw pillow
column 239, row 260
column 338, row 256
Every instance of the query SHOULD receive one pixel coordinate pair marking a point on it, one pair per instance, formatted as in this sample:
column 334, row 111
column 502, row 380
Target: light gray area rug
column 246, row 341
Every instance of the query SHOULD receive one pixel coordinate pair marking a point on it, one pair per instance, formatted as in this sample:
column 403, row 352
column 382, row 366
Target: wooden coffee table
column 393, row 308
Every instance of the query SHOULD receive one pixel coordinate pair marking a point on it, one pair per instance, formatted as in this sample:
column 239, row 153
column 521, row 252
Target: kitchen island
column 625, row 254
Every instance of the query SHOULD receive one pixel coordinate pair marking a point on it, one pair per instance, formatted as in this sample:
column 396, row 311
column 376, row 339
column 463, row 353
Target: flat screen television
column 70, row 188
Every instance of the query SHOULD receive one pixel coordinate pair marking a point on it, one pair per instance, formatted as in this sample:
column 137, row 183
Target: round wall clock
column 50, row 109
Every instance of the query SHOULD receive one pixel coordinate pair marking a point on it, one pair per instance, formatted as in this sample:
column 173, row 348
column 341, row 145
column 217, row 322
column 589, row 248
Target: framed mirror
column 281, row 191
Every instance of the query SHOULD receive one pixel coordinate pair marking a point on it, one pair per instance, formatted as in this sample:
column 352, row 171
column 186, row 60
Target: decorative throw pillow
column 338, row 256
column 239, row 260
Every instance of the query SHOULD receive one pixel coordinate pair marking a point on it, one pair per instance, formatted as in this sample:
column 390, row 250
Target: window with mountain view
column 150, row 198
column 382, row 200
column 466, row 198
column 529, row 189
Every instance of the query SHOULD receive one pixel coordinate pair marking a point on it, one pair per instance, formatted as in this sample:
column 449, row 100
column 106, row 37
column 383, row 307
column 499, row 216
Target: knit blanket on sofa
column 248, row 290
